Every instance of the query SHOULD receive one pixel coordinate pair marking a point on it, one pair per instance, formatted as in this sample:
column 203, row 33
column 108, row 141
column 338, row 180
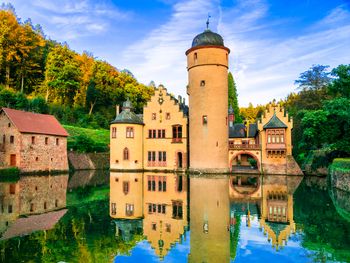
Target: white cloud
column 263, row 63
column 161, row 55
column 67, row 20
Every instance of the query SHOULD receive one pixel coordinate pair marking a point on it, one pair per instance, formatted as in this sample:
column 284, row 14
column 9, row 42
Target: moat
column 155, row 217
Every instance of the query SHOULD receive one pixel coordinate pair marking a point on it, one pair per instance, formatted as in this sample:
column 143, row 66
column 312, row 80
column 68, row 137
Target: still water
column 153, row 217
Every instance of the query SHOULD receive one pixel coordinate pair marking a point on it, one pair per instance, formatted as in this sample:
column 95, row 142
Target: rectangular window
column 159, row 133
column 12, row 189
column 33, row 139
column 177, row 133
column 151, row 183
column 12, row 139
column 129, row 132
column 154, row 133
column 57, row 141
column 154, row 116
column 149, row 133
column 150, row 208
column 167, row 116
column 10, row 209
column 163, row 134
column 162, row 183
column 177, row 210
column 113, row 208
column 129, row 209
column 154, row 226
column 46, row 140
column 205, row 120
column 168, row 228
column 114, row 132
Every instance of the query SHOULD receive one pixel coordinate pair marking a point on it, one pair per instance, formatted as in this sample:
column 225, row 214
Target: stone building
column 32, row 142
column 156, row 140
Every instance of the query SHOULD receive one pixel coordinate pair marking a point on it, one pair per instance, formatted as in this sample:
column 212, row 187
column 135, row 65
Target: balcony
column 233, row 146
column 276, row 146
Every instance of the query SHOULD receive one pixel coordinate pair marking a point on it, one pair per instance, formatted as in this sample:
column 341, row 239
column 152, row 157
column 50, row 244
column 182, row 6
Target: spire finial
column 208, row 21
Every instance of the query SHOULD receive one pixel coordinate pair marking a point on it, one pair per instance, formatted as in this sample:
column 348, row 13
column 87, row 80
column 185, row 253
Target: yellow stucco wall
column 120, row 199
column 177, row 117
column 208, row 142
column 275, row 164
column 209, row 200
column 177, row 225
column 118, row 144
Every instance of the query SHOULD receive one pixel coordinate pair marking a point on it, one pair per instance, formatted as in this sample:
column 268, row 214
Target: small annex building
column 32, row 142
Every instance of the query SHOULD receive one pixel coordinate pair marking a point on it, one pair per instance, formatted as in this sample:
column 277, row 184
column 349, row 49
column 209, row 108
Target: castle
column 201, row 137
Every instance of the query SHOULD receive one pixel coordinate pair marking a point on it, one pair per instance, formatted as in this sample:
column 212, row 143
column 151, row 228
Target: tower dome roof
column 208, row 38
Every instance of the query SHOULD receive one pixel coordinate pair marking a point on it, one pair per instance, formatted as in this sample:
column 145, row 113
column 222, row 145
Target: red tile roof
column 28, row 122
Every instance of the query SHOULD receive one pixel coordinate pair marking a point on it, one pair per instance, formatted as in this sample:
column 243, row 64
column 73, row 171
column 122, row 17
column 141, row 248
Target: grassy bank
column 341, row 164
column 87, row 140
column 87, row 194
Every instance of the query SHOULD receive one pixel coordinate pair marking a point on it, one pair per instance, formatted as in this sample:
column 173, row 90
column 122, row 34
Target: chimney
column 179, row 99
column 116, row 110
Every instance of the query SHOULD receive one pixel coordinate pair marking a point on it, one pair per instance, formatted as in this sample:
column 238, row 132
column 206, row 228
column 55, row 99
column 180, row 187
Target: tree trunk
column 91, row 107
column 47, row 94
column 22, row 84
column 7, row 81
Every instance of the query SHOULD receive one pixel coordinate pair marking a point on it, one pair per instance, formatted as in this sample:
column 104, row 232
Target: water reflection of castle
column 156, row 203
column 31, row 195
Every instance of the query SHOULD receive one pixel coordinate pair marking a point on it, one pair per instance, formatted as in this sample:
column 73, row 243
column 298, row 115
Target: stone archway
column 247, row 153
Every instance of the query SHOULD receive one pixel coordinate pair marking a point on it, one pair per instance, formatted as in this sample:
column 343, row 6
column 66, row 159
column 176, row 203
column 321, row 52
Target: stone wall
column 88, row 161
column 339, row 173
column 40, row 194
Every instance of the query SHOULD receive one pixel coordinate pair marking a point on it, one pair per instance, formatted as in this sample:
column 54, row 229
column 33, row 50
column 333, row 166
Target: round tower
column 207, row 65
column 126, row 140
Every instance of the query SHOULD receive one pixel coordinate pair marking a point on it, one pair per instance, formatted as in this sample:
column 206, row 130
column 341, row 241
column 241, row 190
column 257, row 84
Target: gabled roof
column 25, row 226
column 274, row 122
column 239, row 130
column 29, row 122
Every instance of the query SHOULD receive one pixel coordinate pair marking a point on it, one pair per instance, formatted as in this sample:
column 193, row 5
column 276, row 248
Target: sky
column 271, row 41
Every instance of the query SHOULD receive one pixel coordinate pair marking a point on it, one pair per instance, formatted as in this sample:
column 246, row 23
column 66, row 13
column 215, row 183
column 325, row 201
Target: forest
column 41, row 75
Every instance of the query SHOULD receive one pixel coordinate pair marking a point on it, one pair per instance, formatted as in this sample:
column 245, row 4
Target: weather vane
column 208, row 21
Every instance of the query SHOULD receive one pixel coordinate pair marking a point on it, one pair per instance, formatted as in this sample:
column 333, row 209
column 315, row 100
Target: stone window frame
column 114, row 132
column 130, row 132
column 177, row 133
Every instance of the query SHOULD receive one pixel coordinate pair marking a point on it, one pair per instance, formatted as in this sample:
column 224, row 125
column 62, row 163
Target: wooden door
column 13, row 160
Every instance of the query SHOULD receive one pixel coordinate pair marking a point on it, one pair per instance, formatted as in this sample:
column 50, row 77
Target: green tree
column 62, row 76
column 232, row 97
column 340, row 86
column 316, row 78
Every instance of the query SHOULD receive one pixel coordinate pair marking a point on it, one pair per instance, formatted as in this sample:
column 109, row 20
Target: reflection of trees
column 234, row 236
column 324, row 231
column 84, row 234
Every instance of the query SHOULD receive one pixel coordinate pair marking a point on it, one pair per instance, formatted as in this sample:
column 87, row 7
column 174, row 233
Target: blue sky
column 271, row 42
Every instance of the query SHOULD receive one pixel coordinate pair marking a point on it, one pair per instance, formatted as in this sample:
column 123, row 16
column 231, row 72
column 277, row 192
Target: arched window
column 126, row 154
